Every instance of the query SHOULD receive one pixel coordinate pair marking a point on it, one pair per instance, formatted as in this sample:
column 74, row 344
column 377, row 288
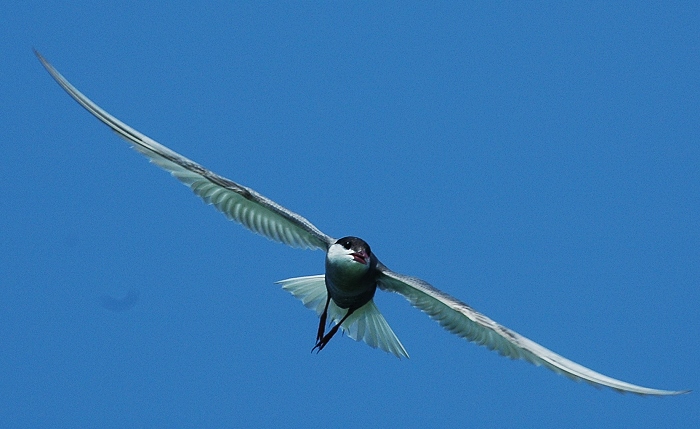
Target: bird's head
column 351, row 253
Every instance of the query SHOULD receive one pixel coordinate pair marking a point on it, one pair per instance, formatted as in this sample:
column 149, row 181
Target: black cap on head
column 354, row 243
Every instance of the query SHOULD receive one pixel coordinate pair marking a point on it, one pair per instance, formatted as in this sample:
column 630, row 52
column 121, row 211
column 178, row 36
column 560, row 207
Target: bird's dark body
column 349, row 288
column 349, row 292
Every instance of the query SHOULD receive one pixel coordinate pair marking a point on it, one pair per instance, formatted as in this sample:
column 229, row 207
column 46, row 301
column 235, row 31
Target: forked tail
column 366, row 323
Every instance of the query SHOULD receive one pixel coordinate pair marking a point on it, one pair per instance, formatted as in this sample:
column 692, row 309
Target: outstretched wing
column 237, row 202
column 460, row 319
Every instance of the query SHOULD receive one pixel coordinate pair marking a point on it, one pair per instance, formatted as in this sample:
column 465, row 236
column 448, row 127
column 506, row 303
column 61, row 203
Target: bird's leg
column 322, row 323
column 320, row 344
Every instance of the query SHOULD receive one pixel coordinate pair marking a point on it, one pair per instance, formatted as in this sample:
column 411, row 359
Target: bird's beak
column 360, row 257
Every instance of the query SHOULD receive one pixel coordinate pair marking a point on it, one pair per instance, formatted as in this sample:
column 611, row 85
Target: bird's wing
column 237, row 202
column 460, row 319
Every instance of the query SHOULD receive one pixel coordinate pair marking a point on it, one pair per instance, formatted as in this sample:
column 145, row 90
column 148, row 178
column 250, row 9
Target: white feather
column 462, row 320
column 365, row 324
column 239, row 203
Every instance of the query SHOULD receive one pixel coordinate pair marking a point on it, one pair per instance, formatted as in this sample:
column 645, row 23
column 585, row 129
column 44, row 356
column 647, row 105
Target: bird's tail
column 366, row 323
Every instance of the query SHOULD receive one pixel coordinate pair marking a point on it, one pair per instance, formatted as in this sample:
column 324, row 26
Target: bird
column 344, row 294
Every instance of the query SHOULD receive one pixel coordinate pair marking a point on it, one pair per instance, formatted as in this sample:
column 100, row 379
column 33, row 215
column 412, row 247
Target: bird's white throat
column 341, row 261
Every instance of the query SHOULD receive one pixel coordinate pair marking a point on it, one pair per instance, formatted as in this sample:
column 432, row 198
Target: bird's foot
column 324, row 339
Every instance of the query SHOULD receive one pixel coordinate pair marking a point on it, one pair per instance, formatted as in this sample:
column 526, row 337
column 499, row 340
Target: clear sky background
column 539, row 162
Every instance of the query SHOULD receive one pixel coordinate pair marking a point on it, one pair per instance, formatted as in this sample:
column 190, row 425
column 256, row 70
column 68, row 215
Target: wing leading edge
column 462, row 320
column 237, row 202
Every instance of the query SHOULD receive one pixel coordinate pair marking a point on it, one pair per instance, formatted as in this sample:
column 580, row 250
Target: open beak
column 360, row 257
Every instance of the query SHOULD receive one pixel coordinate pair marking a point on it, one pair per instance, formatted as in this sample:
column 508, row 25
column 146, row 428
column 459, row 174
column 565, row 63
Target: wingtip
column 38, row 55
column 653, row 392
column 45, row 63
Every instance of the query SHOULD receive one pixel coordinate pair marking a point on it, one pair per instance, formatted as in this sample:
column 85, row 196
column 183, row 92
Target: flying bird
column 344, row 294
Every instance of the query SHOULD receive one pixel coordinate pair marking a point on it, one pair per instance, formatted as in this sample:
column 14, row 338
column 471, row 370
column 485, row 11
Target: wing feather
column 239, row 203
column 462, row 320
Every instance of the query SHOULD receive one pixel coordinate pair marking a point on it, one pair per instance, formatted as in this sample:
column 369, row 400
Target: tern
column 344, row 294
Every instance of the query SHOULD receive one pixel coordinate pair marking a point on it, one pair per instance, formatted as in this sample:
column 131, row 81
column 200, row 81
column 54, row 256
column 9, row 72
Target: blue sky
column 539, row 162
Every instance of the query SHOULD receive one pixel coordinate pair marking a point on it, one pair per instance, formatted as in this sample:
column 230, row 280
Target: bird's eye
column 346, row 244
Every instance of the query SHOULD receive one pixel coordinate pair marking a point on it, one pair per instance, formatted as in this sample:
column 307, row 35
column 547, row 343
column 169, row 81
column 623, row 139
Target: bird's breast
column 349, row 288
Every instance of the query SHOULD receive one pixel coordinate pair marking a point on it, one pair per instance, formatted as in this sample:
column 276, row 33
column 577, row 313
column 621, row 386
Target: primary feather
column 462, row 320
column 237, row 202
